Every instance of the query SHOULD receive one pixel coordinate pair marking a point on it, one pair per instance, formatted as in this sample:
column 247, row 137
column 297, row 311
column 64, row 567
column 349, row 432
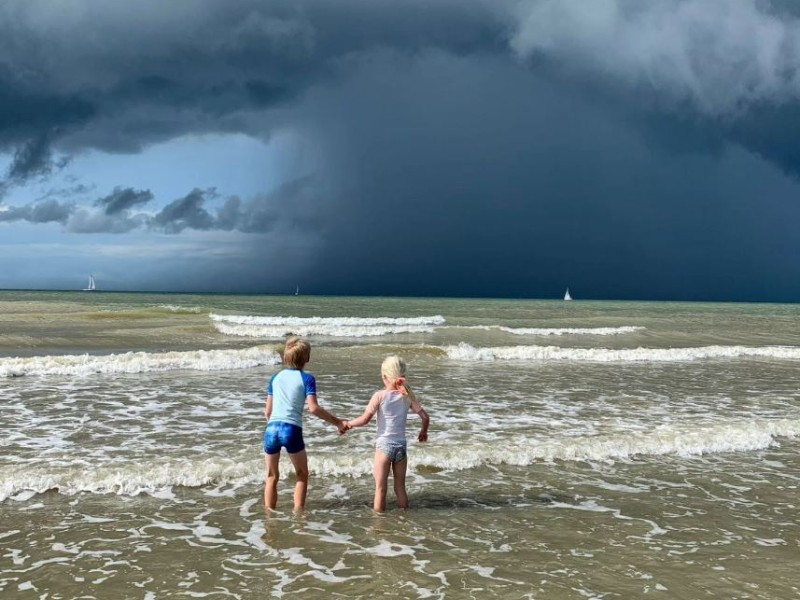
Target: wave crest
column 557, row 331
column 683, row 440
column 139, row 362
column 278, row 327
column 466, row 352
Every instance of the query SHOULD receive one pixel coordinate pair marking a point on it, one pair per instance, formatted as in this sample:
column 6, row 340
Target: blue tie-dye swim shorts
column 280, row 434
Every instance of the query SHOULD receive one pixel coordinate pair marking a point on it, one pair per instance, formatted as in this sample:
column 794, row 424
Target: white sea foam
column 559, row 331
column 686, row 440
column 174, row 308
column 126, row 479
column 278, row 327
column 571, row 330
column 465, row 352
column 139, row 362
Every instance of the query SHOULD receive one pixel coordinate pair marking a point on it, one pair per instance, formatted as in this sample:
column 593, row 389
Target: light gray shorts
column 396, row 451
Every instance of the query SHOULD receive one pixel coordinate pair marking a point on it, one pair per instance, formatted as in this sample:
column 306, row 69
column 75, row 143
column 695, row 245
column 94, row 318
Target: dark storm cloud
column 30, row 121
column 719, row 56
column 212, row 65
column 123, row 199
column 29, row 112
column 170, row 69
column 465, row 176
column 114, row 215
column 89, row 221
column 186, row 212
column 470, row 147
column 294, row 204
column 726, row 69
column 47, row 211
column 31, row 158
column 297, row 204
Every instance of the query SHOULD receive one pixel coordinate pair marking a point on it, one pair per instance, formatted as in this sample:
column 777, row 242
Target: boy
column 288, row 390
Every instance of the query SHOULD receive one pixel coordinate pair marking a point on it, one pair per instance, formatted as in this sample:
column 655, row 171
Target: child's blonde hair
column 296, row 353
column 394, row 369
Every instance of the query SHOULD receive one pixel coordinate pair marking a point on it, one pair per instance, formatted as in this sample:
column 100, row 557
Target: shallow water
column 577, row 450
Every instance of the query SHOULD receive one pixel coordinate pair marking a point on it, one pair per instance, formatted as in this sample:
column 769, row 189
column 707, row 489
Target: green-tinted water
column 584, row 449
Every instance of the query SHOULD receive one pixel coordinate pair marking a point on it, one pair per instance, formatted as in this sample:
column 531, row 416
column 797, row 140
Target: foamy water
column 138, row 362
column 646, row 449
column 159, row 477
column 274, row 327
column 467, row 352
column 561, row 331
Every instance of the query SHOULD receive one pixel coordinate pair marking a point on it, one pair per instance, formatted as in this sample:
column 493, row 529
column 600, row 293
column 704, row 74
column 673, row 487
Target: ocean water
column 577, row 450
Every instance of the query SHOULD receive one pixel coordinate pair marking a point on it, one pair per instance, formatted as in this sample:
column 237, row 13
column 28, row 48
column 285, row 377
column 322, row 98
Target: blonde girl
column 391, row 404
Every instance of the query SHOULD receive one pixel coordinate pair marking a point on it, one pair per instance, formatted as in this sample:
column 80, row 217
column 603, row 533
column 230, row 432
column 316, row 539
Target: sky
column 479, row 148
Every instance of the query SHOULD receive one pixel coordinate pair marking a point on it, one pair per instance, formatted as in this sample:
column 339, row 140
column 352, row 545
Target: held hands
column 344, row 426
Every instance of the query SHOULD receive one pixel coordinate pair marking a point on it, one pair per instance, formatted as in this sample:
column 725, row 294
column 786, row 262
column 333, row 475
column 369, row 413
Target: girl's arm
column 268, row 407
column 369, row 412
column 426, row 420
column 315, row 409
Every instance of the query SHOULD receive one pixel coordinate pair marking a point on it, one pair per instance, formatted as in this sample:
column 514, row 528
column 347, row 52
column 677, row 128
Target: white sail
column 91, row 287
column 567, row 296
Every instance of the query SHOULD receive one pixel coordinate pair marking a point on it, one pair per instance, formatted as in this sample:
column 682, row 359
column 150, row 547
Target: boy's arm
column 315, row 409
column 426, row 420
column 369, row 412
column 268, row 407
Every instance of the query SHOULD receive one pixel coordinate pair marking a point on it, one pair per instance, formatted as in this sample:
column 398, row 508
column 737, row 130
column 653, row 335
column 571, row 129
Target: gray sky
column 470, row 147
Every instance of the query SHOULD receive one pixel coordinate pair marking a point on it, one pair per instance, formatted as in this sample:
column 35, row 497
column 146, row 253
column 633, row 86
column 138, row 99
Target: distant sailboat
column 91, row 287
column 567, row 296
column 297, row 291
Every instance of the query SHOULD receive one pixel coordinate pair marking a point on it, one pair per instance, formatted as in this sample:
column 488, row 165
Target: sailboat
column 567, row 296
column 297, row 291
column 91, row 286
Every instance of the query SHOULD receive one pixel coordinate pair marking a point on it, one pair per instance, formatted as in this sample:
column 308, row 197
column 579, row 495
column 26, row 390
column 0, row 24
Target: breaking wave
column 556, row 331
column 465, row 352
column 571, row 330
column 279, row 327
column 133, row 478
column 174, row 308
column 685, row 440
column 139, row 362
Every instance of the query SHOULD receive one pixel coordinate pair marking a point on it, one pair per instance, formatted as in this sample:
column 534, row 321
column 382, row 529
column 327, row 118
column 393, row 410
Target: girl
column 391, row 405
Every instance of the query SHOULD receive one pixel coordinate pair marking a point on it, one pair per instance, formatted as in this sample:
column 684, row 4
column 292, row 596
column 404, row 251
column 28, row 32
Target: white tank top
column 392, row 417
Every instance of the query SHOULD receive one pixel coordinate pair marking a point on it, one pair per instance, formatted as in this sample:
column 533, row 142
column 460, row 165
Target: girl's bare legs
column 381, row 472
column 300, row 462
column 399, row 474
column 271, row 485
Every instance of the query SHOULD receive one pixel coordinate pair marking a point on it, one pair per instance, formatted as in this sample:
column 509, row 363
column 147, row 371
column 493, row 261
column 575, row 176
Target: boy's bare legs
column 381, row 472
column 271, row 485
column 399, row 474
column 300, row 462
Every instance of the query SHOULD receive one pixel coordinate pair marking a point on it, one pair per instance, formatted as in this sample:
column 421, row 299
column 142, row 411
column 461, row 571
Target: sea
column 579, row 449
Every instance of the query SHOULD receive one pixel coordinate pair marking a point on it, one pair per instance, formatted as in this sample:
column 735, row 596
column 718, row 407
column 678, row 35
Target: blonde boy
column 288, row 390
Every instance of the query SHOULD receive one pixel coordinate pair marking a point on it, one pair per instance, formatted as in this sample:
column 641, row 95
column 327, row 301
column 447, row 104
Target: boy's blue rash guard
column 289, row 389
